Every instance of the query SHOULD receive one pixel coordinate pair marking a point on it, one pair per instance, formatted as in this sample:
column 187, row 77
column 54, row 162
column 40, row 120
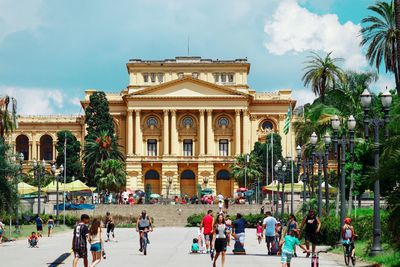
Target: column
column 174, row 134
column 237, row 132
column 30, row 156
column 166, row 133
column 202, row 133
column 33, row 153
column 139, row 135
column 54, row 151
column 210, row 134
column 246, row 132
column 129, row 130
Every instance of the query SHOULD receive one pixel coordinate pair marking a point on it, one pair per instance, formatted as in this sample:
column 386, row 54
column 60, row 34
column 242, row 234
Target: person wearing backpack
column 348, row 235
column 79, row 241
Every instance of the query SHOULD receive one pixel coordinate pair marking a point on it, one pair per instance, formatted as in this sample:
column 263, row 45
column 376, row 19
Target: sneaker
column 140, row 249
column 269, row 253
column 307, row 255
column 212, row 254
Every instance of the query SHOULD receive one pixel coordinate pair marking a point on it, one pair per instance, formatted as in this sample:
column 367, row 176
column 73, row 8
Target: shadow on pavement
column 59, row 260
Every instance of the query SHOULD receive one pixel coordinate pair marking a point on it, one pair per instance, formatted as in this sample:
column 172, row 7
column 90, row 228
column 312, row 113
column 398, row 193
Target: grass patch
column 26, row 230
column 389, row 258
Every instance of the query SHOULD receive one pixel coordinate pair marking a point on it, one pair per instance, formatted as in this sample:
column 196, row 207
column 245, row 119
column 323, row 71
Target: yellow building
column 180, row 121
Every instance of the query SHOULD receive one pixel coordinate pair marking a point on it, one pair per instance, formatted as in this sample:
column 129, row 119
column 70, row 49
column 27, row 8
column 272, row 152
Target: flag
column 288, row 120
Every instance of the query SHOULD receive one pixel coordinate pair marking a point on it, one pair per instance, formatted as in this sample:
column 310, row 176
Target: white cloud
column 18, row 16
column 296, row 29
column 384, row 81
column 35, row 101
column 303, row 96
column 75, row 101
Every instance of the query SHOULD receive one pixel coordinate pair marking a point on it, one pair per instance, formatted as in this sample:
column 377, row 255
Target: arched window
column 223, row 175
column 187, row 121
column 22, row 146
column 152, row 122
column 223, row 122
column 188, row 175
column 267, row 125
column 46, row 147
column 152, row 175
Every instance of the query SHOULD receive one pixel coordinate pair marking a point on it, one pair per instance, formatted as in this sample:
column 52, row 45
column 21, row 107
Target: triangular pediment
column 188, row 87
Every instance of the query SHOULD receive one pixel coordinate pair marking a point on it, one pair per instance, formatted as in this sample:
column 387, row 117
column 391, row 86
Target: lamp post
column 320, row 157
column 351, row 124
column 53, row 171
column 277, row 167
column 298, row 152
column 21, row 162
column 376, row 123
column 283, row 174
column 327, row 141
column 313, row 141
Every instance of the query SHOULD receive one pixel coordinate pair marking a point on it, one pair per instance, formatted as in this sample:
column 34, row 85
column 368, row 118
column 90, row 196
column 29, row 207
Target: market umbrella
column 155, row 196
column 24, row 188
column 207, row 191
column 241, row 189
column 52, row 187
column 331, row 188
column 77, row 185
column 297, row 187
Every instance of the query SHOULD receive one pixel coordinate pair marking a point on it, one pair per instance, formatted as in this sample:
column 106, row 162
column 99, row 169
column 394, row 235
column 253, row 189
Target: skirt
column 220, row 244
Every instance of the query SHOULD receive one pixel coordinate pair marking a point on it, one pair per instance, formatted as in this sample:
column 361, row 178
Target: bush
column 194, row 220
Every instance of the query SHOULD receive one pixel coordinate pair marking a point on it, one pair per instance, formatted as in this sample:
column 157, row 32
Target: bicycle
column 144, row 241
column 347, row 249
column 315, row 258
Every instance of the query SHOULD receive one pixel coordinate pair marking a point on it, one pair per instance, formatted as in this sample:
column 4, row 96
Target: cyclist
column 110, row 225
column 348, row 235
column 143, row 223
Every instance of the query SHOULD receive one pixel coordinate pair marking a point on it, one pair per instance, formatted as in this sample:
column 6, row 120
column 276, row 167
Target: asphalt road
column 169, row 247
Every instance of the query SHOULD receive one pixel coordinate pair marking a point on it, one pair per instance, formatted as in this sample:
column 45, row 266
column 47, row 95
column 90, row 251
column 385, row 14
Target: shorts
column 143, row 228
column 286, row 256
column 208, row 237
column 269, row 239
column 96, row 247
column 110, row 228
column 50, row 226
column 81, row 253
column 312, row 237
column 39, row 227
column 259, row 234
column 32, row 242
column 240, row 237
column 220, row 244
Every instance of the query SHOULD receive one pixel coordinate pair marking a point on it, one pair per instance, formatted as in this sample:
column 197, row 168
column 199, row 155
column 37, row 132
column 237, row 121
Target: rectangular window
column 223, row 77
column 188, row 147
column 223, row 147
column 153, row 77
column 152, row 147
column 230, row 77
column 195, row 75
column 160, row 77
column 216, row 77
column 146, row 77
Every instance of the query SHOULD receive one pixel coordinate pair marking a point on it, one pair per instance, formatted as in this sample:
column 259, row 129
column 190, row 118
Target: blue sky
column 51, row 51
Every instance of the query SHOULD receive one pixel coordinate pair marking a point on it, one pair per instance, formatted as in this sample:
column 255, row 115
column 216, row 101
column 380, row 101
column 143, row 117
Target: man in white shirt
column 269, row 227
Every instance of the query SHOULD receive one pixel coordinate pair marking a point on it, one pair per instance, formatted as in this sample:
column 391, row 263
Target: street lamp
column 276, row 169
column 327, row 142
column 313, row 141
column 284, row 168
column 298, row 152
column 386, row 100
column 63, row 173
column 53, row 171
column 21, row 162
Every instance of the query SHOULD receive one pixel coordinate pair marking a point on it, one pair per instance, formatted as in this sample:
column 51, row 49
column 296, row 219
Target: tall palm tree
column 111, row 175
column 322, row 73
column 7, row 117
column 380, row 35
column 251, row 170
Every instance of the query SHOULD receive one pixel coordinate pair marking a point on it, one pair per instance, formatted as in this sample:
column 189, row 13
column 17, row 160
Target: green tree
column 8, row 118
column 73, row 150
column 322, row 73
column 8, row 171
column 252, row 169
column 98, row 150
column 380, row 37
column 111, row 175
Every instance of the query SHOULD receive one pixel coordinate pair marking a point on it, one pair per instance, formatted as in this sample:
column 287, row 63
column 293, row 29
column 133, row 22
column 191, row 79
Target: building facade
column 181, row 122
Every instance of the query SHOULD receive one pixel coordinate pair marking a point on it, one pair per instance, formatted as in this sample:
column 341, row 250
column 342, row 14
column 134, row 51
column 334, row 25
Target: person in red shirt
column 207, row 223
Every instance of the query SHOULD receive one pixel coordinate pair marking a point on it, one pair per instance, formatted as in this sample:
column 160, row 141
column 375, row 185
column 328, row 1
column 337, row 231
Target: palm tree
column 111, row 175
column 7, row 118
column 252, row 169
column 379, row 35
column 322, row 73
column 102, row 148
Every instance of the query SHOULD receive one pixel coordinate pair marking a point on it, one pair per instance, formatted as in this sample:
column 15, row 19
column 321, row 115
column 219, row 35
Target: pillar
column 166, row 133
column 174, row 134
column 237, row 132
column 210, row 134
column 246, row 132
column 202, row 133
column 33, row 152
column 129, row 130
column 139, row 135
column 54, row 151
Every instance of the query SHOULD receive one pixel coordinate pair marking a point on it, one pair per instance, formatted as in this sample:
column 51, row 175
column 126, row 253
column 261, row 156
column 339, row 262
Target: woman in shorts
column 96, row 242
column 219, row 239
column 50, row 226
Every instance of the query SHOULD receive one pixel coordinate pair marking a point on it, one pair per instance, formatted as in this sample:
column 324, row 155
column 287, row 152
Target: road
column 169, row 247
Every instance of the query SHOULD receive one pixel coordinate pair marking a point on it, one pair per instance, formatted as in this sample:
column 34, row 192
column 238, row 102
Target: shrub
column 194, row 219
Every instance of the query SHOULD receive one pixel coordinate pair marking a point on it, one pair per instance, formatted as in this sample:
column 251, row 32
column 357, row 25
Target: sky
column 53, row 50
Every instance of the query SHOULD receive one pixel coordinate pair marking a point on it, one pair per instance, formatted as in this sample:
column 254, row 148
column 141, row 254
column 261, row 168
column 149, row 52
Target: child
column 195, row 246
column 289, row 242
column 259, row 232
column 33, row 240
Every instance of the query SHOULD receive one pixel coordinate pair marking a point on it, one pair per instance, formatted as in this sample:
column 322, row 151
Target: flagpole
column 65, row 171
column 272, row 167
column 291, row 164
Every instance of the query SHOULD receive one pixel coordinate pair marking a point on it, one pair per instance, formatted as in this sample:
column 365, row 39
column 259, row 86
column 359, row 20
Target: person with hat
column 287, row 246
column 348, row 235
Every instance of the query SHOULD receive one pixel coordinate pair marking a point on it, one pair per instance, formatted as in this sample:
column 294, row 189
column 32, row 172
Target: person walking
column 110, row 225
column 143, row 223
column 1, row 231
column 312, row 226
column 269, row 227
column 79, row 241
column 292, row 225
column 239, row 226
column 50, row 226
column 219, row 239
column 206, row 226
column 287, row 245
column 96, row 242
column 39, row 225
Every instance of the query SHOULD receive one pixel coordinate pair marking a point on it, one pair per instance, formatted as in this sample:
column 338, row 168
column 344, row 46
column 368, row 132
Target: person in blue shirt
column 287, row 245
column 239, row 226
column 39, row 225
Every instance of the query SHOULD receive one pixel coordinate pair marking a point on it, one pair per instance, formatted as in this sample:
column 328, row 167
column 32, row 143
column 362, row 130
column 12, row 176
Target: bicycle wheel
column 353, row 260
column 144, row 244
column 346, row 255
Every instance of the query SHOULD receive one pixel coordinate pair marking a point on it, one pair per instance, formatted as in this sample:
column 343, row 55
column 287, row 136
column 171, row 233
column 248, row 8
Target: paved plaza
column 169, row 247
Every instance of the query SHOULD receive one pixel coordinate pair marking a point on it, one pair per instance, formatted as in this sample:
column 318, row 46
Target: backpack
column 79, row 240
column 348, row 233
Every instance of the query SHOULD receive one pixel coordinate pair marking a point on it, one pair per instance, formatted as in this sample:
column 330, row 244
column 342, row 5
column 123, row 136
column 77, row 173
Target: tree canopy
column 73, row 150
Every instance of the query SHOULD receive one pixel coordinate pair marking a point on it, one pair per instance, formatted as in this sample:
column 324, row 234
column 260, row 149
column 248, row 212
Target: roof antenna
column 188, row 45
